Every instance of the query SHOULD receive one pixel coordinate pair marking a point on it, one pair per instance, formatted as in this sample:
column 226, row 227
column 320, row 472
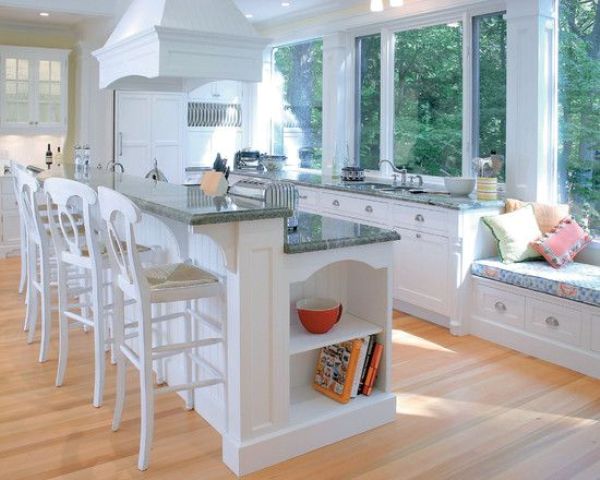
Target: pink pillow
column 561, row 245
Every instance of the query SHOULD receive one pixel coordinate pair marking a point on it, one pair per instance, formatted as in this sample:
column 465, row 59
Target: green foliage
column 579, row 115
column 301, row 66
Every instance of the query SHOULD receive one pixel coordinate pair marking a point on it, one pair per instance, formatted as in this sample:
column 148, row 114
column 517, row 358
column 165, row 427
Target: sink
column 366, row 186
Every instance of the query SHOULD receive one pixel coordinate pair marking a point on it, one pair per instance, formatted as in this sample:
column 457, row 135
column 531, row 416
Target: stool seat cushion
column 578, row 281
column 177, row 275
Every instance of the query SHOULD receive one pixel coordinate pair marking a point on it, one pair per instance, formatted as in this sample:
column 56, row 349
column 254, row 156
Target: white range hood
column 178, row 45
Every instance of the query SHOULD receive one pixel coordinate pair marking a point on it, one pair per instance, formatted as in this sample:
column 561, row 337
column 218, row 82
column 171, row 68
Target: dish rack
column 275, row 193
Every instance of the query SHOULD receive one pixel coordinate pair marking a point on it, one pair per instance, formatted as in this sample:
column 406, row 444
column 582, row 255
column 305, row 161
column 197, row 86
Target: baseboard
column 422, row 313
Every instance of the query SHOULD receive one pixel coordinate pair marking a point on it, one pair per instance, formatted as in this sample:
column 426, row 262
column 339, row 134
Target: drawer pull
column 336, row 203
column 303, row 197
column 552, row 322
column 420, row 218
column 500, row 307
column 419, row 236
column 369, row 209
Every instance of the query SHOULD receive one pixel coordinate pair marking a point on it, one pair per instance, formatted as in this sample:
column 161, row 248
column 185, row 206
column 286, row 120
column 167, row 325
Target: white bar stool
column 147, row 286
column 14, row 166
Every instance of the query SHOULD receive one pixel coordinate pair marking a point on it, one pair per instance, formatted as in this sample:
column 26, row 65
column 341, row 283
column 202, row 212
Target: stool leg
column 99, row 336
column 46, row 308
column 32, row 294
column 146, row 385
column 63, row 326
column 23, row 280
column 187, row 366
column 118, row 340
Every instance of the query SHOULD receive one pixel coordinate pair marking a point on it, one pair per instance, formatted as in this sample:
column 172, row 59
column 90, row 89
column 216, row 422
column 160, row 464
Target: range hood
column 178, row 45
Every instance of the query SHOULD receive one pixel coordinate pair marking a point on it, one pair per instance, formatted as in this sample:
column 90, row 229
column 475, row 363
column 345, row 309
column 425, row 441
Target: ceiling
column 16, row 15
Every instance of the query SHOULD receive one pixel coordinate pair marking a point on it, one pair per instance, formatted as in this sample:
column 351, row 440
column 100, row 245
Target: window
column 297, row 123
column 368, row 102
column 428, row 100
column 579, row 110
column 489, row 75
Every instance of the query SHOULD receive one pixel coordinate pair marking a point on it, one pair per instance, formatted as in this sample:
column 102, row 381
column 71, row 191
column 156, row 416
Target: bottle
column 86, row 156
column 49, row 157
column 59, row 157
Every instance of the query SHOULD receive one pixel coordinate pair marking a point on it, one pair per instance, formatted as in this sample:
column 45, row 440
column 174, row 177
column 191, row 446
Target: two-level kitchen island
column 267, row 411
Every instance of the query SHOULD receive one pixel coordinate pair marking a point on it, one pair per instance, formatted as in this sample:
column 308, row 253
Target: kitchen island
column 268, row 411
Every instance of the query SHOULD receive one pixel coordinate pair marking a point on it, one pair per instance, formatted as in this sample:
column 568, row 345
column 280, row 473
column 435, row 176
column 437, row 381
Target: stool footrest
column 188, row 386
column 177, row 348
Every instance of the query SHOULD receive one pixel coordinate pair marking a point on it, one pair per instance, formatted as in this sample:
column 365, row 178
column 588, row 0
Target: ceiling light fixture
column 44, row 14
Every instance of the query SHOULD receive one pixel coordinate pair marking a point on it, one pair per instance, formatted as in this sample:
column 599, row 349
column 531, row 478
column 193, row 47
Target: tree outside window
column 579, row 110
column 297, row 112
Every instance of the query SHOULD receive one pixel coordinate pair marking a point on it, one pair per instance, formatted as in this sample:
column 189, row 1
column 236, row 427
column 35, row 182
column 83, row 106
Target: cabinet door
column 11, row 228
column 168, row 120
column 133, row 132
column 421, row 270
column 17, row 91
column 50, row 103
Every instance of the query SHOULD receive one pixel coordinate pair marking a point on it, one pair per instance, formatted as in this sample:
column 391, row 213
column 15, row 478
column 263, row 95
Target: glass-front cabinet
column 33, row 89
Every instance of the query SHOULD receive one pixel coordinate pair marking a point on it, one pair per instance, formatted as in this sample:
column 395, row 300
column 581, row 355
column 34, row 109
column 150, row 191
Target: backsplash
column 28, row 150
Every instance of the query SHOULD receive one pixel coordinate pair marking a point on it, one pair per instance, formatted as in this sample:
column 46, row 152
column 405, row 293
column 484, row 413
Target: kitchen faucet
column 404, row 180
column 112, row 165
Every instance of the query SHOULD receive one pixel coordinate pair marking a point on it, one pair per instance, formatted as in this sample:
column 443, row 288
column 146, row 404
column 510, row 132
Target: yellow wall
column 34, row 36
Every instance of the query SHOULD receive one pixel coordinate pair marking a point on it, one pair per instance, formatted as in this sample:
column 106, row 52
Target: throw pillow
column 547, row 216
column 514, row 233
column 560, row 246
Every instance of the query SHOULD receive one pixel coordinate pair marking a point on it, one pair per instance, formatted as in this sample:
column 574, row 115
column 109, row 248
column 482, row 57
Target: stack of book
column 348, row 369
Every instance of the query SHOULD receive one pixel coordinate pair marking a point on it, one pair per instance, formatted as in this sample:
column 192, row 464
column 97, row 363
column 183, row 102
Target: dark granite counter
column 185, row 204
column 317, row 180
column 191, row 206
column 316, row 232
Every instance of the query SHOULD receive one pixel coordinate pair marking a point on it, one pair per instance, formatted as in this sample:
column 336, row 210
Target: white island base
column 268, row 411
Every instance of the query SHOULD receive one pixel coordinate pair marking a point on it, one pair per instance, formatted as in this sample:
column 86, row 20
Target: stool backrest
column 28, row 192
column 120, row 216
column 68, row 197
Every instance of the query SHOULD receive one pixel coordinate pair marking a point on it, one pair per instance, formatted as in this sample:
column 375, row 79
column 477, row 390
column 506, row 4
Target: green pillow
column 514, row 232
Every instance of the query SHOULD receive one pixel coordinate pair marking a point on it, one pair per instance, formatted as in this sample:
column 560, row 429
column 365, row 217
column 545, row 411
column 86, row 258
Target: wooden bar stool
column 79, row 244
column 167, row 284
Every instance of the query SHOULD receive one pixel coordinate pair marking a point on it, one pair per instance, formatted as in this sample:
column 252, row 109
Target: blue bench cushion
column 577, row 281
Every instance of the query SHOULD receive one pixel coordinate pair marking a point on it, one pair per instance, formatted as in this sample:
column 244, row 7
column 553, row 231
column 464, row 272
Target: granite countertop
column 185, row 204
column 316, row 232
column 316, row 180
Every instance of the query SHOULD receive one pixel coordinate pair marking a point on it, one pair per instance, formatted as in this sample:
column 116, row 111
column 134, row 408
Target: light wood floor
column 467, row 409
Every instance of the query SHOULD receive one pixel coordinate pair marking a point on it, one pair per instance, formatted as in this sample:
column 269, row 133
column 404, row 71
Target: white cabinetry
column 33, row 90
column 148, row 127
column 9, row 219
column 225, row 91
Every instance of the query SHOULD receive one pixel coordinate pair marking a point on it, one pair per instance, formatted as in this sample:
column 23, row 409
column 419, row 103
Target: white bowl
column 459, row 186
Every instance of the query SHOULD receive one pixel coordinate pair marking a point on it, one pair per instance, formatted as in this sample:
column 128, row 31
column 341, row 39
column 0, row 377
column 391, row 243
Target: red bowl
column 319, row 315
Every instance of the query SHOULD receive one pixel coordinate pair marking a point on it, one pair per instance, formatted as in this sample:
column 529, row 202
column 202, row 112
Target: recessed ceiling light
column 44, row 14
column 249, row 15
column 285, row 4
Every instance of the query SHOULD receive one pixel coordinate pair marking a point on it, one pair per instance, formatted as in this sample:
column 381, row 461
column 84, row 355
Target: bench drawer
column 501, row 306
column 368, row 209
column 596, row 333
column 420, row 218
column 553, row 321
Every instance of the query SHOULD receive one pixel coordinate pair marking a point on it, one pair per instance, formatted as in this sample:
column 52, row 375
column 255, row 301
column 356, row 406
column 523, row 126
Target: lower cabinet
column 9, row 219
column 421, row 270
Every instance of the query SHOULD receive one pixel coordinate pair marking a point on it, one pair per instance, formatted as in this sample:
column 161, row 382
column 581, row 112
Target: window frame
column 464, row 15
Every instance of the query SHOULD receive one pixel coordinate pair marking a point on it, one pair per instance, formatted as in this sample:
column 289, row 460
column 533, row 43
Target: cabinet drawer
column 308, row 198
column 420, row 218
column 11, row 230
column 368, row 209
column 8, row 203
column 6, row 186
column 500, row 306
column 335, row 202
column 553, row 321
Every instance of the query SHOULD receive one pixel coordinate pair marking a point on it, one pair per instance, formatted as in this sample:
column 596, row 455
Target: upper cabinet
column 224, row 91
column 33, row 90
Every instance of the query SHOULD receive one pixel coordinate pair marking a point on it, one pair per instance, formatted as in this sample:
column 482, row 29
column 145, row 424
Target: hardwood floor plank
column 467, row 409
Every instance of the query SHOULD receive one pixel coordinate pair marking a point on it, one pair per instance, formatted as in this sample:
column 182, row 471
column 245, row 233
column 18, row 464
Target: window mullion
column 387, row 98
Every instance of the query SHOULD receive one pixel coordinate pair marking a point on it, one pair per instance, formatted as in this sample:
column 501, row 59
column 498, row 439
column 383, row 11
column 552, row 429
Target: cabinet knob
column 500, row 307
column 303, row 197
column 369, row 209
column 419, row 236
column 336, row 203
column 420, row 218
column 552, row 322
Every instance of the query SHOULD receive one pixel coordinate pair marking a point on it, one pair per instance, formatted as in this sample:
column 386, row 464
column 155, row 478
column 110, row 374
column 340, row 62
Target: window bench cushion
column 578, row 281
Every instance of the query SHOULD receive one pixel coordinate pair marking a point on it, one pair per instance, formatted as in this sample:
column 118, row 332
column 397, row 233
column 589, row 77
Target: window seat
column 578, row 281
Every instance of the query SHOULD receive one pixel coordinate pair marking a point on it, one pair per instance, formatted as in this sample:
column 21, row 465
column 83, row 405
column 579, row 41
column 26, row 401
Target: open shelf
column 348, row 328
column 307, row 405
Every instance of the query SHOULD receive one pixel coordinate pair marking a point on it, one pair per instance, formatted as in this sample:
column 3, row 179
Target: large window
column 428, row 100
column 579, row 112
column 298, row 104
column 368, row 103
column 489, row 75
